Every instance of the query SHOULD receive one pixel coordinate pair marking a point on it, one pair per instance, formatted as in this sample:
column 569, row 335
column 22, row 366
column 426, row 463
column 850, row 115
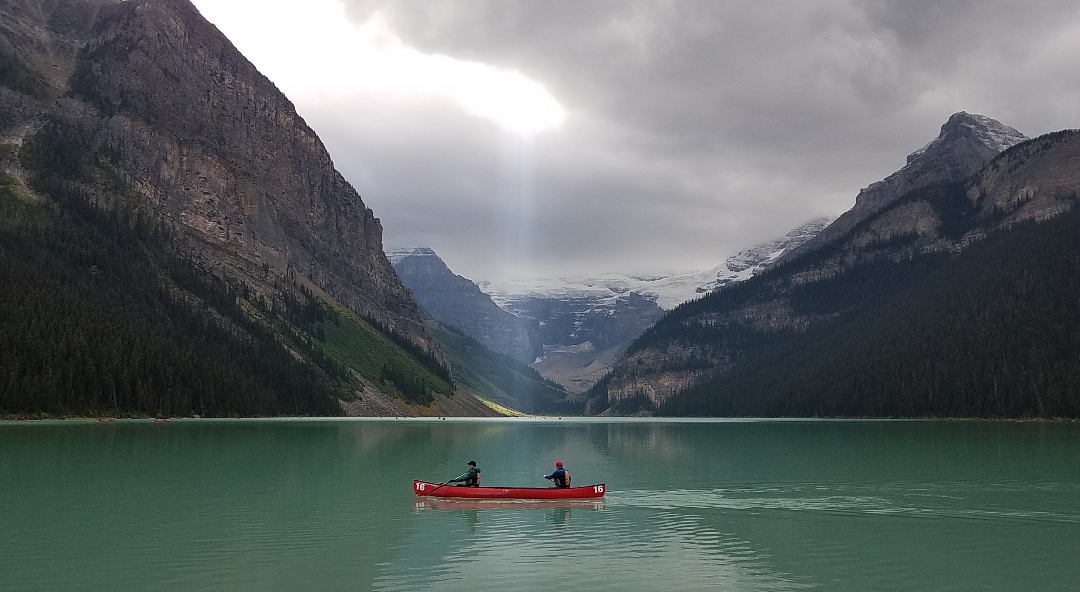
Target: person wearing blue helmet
column 561, row 477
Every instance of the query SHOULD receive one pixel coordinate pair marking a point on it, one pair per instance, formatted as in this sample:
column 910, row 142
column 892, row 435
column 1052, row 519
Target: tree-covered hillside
column 500, row 378
column 103, row 311
column 993, row 331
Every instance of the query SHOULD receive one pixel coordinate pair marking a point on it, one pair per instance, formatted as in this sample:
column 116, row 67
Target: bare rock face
column 1033, row 181
column 214, row 147
column 966, row 143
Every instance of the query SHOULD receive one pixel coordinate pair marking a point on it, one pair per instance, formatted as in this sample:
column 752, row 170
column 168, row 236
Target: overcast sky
column 545, row 138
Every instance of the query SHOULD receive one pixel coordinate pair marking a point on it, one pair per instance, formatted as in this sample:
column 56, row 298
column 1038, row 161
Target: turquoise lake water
column 724, row 505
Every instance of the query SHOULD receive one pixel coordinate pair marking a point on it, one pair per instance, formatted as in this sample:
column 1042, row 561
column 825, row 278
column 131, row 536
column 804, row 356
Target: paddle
column 441, row 485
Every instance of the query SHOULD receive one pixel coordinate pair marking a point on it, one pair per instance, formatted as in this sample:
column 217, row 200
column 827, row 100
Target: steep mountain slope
column 965, row 145
column 990, row 332
column 161, row 186
column 458, row 302
column 502, row 379
column 816, row 309
column 217, row 148
column 96, row 317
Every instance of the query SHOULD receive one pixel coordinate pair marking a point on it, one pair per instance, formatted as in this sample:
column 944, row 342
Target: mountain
column 570, row 330
column 585, row 324
column 583, row 333
column 667, row 290
column 569, row 337
column 176, row 239
column 582, row 325
column 488, row 348
column 965, row 145
column 501, row 379
column 671, row 291
column 942, row 293
column 458, row 302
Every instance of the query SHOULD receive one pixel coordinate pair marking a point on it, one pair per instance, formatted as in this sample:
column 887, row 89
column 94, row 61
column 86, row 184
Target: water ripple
column 720, row 499
column 521, row 550
column 782, row 499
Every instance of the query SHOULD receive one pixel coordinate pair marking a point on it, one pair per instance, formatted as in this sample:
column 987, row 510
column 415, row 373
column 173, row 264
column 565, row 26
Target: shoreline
column 523, row 418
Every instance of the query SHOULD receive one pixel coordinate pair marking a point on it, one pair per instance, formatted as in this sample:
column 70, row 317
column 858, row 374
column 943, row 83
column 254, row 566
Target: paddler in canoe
column 470, row 478
column 560, row 477
column 469, row 488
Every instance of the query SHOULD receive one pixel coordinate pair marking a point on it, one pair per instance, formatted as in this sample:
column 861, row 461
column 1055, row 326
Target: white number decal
column 421, row 486
column 598, row 489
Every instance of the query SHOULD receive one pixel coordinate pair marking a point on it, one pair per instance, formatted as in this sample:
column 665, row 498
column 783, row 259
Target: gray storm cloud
column 693, row 129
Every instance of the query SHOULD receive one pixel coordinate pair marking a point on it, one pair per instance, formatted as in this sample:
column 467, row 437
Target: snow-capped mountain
column 668, row 291
column 966, row 187
column 571, row 329
column 585, row 324
column 991, row 133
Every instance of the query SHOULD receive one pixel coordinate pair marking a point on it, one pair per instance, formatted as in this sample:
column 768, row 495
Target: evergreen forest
column 990, row 332
column 501, row 378
column 104, row 312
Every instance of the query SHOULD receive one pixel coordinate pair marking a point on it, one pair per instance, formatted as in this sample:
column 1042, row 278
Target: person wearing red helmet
column 561, row 477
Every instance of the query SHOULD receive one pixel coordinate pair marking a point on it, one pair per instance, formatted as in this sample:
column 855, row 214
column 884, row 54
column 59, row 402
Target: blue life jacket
column 560, row 477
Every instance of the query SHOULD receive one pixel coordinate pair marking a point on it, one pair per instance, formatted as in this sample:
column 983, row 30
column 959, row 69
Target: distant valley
column 572, row 330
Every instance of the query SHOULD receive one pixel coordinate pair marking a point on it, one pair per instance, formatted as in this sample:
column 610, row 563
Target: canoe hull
column 425, row 489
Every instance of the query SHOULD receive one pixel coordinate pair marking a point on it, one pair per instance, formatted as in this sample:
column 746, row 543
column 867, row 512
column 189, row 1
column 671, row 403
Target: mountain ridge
column 177, row 204
column 667, row 290
column 964, row 146
column 709, row 342
column 213, row 145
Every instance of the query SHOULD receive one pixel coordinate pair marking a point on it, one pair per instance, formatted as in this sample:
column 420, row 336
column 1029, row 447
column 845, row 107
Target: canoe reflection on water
column 472, row 504
column 472, row 510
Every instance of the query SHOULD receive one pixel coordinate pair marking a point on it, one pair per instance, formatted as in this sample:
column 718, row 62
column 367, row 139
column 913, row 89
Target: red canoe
column 424, row 489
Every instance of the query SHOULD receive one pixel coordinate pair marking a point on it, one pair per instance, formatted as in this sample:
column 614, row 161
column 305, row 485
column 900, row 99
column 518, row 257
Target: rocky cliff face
column 1032, row 181
column 208, row 143
column 458, row 302
column 931, row 207
column 966, row 143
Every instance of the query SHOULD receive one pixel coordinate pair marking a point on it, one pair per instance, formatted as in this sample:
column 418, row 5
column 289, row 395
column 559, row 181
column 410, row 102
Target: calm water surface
column 736, row 505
